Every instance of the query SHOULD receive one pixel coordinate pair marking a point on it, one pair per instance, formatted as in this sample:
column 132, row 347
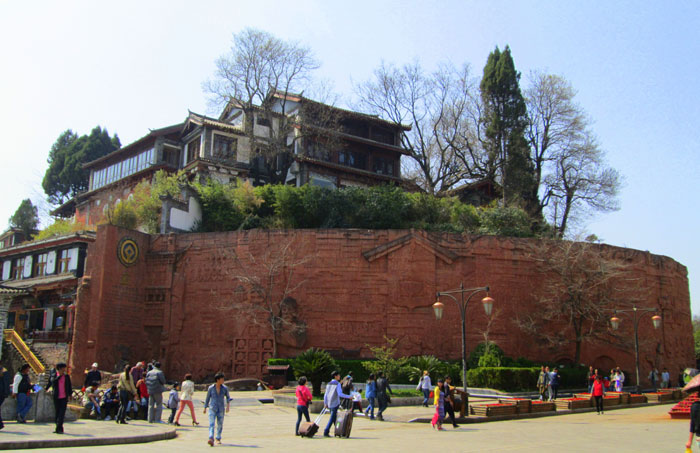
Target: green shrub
column 316, row 365
column 489, row 359
column 501, row 378
column 507, row 221
column 480, row 350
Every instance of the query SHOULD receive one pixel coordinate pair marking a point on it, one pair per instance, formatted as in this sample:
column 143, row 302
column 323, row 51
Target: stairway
column 682, row 409
column 30, row 356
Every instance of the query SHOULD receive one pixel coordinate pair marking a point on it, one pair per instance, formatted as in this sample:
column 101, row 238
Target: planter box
column 493, row 410
column 637, row 399
column 658, row 397
column 613, row 400
column 522, row 406
column 624, row 396
column 542, row 406
column 573, row 403
column 583, row 395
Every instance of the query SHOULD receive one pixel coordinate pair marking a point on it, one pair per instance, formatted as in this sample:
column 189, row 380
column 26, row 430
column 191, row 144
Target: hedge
column 359, row 373
column 503, row 378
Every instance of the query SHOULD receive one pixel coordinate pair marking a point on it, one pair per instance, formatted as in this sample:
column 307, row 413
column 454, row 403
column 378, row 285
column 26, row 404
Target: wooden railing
column 12, row 337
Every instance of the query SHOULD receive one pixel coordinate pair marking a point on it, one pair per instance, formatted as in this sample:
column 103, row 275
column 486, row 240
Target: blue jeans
column 93, row 407
column 331, row 422
column 302, row 410
column 24, row 403
column 426, row 396
column 370, row 407
column 216, row 417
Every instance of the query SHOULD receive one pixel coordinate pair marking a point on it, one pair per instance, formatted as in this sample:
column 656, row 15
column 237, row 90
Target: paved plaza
column 251, row 425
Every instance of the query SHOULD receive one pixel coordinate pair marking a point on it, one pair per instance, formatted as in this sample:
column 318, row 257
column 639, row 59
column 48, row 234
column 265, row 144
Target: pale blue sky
column 130, row 66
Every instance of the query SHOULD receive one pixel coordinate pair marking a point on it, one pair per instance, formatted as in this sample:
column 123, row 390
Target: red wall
column 356, row 286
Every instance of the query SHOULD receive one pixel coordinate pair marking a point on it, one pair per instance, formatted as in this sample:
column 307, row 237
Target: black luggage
column 343, row 425
column 309, row 429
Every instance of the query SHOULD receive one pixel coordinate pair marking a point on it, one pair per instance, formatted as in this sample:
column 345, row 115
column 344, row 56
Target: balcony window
column 63, row 261
column 318, row 151
column 193, row 149
column 380, row 134
column 353, row 159
column 224, row 147
column 383, row 166
column 17, row 268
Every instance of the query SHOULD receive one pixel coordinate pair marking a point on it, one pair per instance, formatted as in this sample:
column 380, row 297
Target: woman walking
column 439, row 405
column 186, row 391
column 598, row 393
column 127, row 393
column 370, row 394
column 424, row 385
column 303, row 401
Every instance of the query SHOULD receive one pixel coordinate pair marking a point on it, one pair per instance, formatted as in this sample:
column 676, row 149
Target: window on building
column 40, row 265
column 17, row 268
column 356, row 128
column 383, row 166
column 318, row 151
column 353, row 159
column 380, row 134
column 193, row 149
column 224, row 147
column 63, row 261
column 260, row 120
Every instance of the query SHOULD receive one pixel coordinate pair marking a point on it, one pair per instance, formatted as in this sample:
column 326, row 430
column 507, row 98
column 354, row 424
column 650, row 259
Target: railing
column 51, row 336
column 11, row 336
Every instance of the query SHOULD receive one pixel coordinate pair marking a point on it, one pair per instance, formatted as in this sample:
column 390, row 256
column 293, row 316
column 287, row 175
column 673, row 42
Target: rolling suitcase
column 309, row 429
column 344, row 424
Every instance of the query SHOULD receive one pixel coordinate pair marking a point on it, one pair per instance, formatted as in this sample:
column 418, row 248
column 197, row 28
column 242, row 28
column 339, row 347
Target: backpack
column 346, row 385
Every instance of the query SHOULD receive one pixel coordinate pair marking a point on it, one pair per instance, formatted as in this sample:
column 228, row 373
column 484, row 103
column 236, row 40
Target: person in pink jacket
column 303, row 401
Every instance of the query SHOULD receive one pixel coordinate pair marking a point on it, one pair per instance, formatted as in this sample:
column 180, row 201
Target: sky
column 130, row 66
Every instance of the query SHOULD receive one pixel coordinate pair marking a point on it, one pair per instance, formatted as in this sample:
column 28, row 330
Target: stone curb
column 498, row 418
column 87, row 442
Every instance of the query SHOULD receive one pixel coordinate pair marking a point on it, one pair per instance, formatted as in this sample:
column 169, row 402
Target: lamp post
column 637, row 314
column 438, row 307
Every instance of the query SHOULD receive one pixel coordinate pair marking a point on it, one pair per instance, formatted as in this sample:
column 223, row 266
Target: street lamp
column 438, row 308
column 637, row 314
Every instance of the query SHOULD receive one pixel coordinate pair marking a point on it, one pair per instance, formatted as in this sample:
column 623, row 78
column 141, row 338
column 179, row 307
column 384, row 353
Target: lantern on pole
column 438, row 307
column 488, row 305
column 615, row 322
column 656, row 320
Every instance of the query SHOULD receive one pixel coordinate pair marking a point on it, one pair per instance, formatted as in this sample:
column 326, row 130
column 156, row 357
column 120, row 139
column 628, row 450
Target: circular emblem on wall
column 127, row 251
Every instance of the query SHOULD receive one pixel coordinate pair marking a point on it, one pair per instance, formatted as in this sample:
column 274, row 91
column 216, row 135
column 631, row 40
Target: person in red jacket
column 598, row 393
column 303, row 400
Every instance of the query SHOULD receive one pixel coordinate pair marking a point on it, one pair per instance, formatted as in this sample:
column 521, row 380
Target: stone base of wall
column 42, row 411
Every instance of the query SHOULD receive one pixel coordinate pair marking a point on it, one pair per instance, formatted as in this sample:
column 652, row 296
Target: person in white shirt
column 665, row 379
column 424, row 385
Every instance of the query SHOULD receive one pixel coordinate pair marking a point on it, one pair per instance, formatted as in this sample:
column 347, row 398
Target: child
column 173, row 402
column 356, row 401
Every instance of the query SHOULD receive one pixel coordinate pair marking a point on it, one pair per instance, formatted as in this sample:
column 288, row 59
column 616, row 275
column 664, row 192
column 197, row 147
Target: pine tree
column 26, row 218
column 505, row 121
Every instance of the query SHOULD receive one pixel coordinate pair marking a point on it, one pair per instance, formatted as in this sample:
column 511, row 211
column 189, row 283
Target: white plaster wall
column 185, row 220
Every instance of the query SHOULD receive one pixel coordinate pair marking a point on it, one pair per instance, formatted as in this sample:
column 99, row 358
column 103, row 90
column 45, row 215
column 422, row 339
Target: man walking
column 216, row 394
column 62, row 388
column 450, row 400
column 665, row 379
column 331, row 400
column 554, row 384
column 383, row 398
column 21, row 388
column 155, row 383
column 542, row 382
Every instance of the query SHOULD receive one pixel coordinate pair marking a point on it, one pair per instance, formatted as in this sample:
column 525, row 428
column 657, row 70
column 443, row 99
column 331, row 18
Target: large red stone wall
column 353, row 288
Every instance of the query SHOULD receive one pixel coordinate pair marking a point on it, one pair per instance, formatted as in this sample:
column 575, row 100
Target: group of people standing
column 548, row 383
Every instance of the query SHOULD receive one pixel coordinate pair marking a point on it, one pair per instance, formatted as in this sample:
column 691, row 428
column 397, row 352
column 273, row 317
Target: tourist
column 92, row 375
column 424, row 385
column 142, row 390
column 590, row 378
column 654, row 377
column 347, row 384
column 303, row 401
column 331, row 400
column 665, row 379
column 694, row 422
column 173, row 402
column 21, row 388
column 5, row 388
column 621, row 378
column 450, row 400
column 598, row 392
column 127, row 394
column 370, row 394
column 216, row 393
column 440, row 392
column 91, row 400
column 356, row 401
column 383, row 398
column 542, row 382
column 137, row 371
column 549, row 383
column 110, row 403
column 681, row 378
column 617, row 381
column 186, row 392
column 62, row 391
column 554, row 379
column 155, row 382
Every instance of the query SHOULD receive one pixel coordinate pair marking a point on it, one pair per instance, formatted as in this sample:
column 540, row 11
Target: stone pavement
column 270, row 428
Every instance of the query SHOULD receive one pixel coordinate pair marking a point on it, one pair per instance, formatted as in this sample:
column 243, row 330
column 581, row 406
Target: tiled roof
column 21, row 285
column 6, row 291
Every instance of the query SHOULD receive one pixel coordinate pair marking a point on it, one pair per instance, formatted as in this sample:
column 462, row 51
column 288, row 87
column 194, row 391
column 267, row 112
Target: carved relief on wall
column 251, row 352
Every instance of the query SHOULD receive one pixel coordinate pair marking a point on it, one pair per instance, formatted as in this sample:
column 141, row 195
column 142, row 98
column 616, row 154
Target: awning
column 38, row 282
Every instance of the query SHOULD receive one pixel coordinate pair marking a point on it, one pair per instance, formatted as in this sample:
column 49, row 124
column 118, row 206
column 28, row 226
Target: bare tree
column 440, row 109
column 260, row 76
column 569, row 166
column 265, row 286
column 581, row 283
